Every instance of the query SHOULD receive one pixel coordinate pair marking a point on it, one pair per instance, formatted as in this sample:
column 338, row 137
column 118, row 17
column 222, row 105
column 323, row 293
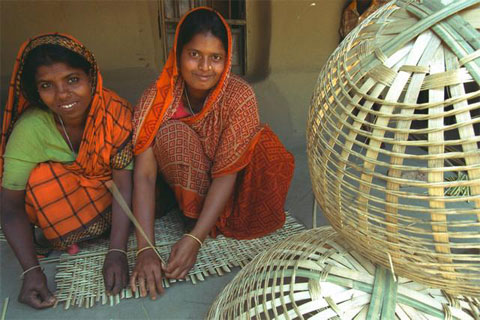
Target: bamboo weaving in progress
column 79, row 278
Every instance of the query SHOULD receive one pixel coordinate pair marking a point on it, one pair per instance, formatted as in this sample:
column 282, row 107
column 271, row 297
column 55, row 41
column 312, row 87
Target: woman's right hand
column 34, row 291
column 148, row 273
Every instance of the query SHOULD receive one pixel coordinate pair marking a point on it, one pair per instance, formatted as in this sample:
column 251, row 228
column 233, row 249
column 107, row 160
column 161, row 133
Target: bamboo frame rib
column 393, row 141
column 4, row 308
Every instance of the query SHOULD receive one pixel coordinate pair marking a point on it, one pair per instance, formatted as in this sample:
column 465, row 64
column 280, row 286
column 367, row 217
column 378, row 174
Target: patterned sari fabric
column 225, row 137
column 70, row 201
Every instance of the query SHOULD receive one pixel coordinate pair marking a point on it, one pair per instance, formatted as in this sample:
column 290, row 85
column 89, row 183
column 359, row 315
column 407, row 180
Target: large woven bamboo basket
column 316, row 275
column 393, row 140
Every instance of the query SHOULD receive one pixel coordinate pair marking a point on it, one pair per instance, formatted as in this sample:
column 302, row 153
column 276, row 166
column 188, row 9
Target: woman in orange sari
column 198, row 127
column 64, row 135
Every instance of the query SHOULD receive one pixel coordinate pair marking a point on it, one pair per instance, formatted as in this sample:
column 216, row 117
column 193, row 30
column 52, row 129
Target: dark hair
column 201, row 21
column 46, row 55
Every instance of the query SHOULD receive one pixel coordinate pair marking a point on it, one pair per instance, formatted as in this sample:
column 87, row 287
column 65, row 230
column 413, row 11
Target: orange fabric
column 243, row 161
column 183, row 165
column 67, row 198
column 63, row 202
column 255, row 207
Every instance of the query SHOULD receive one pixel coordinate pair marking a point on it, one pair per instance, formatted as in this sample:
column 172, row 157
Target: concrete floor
column 181, row 300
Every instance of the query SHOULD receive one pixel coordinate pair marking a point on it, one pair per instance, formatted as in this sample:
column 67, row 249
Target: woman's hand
column 148, row 273
column 34, row 291
column 184, row 252
column 115, row 272
column 18, row 231
column 182, row 258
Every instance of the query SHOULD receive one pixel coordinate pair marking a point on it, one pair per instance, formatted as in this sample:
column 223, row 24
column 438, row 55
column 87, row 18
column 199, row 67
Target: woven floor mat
column 79, row 278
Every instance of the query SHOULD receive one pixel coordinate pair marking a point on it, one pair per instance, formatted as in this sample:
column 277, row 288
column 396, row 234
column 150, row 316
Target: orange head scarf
column 148, row 125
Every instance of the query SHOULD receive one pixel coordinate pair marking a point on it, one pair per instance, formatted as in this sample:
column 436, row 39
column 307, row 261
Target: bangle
column 143, row 249
column 28, row 270
column 117, row 250
column 194, row 238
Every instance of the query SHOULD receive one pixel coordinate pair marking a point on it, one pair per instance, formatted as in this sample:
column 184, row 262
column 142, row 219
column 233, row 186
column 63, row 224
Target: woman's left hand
column 115, row 272
column 182, row 258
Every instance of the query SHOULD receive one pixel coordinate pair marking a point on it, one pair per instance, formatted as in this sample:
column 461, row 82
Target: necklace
column 66, row 134
column 188, row 101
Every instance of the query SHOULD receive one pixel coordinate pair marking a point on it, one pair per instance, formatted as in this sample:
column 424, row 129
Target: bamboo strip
column 4, row 308
column 469, row 57
column 376, row 302
column 126, row 209
column 390, row 299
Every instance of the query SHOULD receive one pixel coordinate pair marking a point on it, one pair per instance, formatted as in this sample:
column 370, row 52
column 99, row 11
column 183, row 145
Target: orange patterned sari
column 69, row 201
column 225, row 137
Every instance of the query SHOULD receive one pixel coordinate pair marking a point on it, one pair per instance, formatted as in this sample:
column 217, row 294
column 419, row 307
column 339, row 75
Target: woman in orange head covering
column 63, row 137
column 198, row 127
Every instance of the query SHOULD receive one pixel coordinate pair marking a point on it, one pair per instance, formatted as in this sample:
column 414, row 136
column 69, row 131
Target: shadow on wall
column 274, row 111
column 129, row 83
column 260, row 63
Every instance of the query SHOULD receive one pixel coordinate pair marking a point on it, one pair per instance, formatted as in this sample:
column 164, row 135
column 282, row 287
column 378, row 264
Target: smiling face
column 65, row 90
column 202, row 62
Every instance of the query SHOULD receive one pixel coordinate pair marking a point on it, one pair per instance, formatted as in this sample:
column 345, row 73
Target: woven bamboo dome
column 316, row 275
column 393, row 139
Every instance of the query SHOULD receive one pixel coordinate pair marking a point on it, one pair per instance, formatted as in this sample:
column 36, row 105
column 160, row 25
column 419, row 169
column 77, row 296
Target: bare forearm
column 17, row 227
column 218, row 194
column 120, row 220
column 144, row 208
column 145, row 176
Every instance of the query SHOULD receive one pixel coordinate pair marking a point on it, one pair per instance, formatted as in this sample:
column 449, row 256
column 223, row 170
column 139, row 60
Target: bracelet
column 117, row 250
column 143, row 249
column 194, row 238
column 28, row 270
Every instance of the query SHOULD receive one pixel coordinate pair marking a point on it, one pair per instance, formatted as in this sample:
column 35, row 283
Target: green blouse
column 34, row 139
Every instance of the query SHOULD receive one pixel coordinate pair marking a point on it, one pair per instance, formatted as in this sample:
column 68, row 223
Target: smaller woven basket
column 314, row 275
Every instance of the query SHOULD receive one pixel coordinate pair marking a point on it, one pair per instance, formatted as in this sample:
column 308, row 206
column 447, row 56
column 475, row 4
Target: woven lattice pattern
column 393, row 141
column 314, row 275
column 79, row 278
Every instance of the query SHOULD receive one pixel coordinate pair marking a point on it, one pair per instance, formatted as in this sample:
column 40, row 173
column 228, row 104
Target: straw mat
column 79, row 278
column 317, row 275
